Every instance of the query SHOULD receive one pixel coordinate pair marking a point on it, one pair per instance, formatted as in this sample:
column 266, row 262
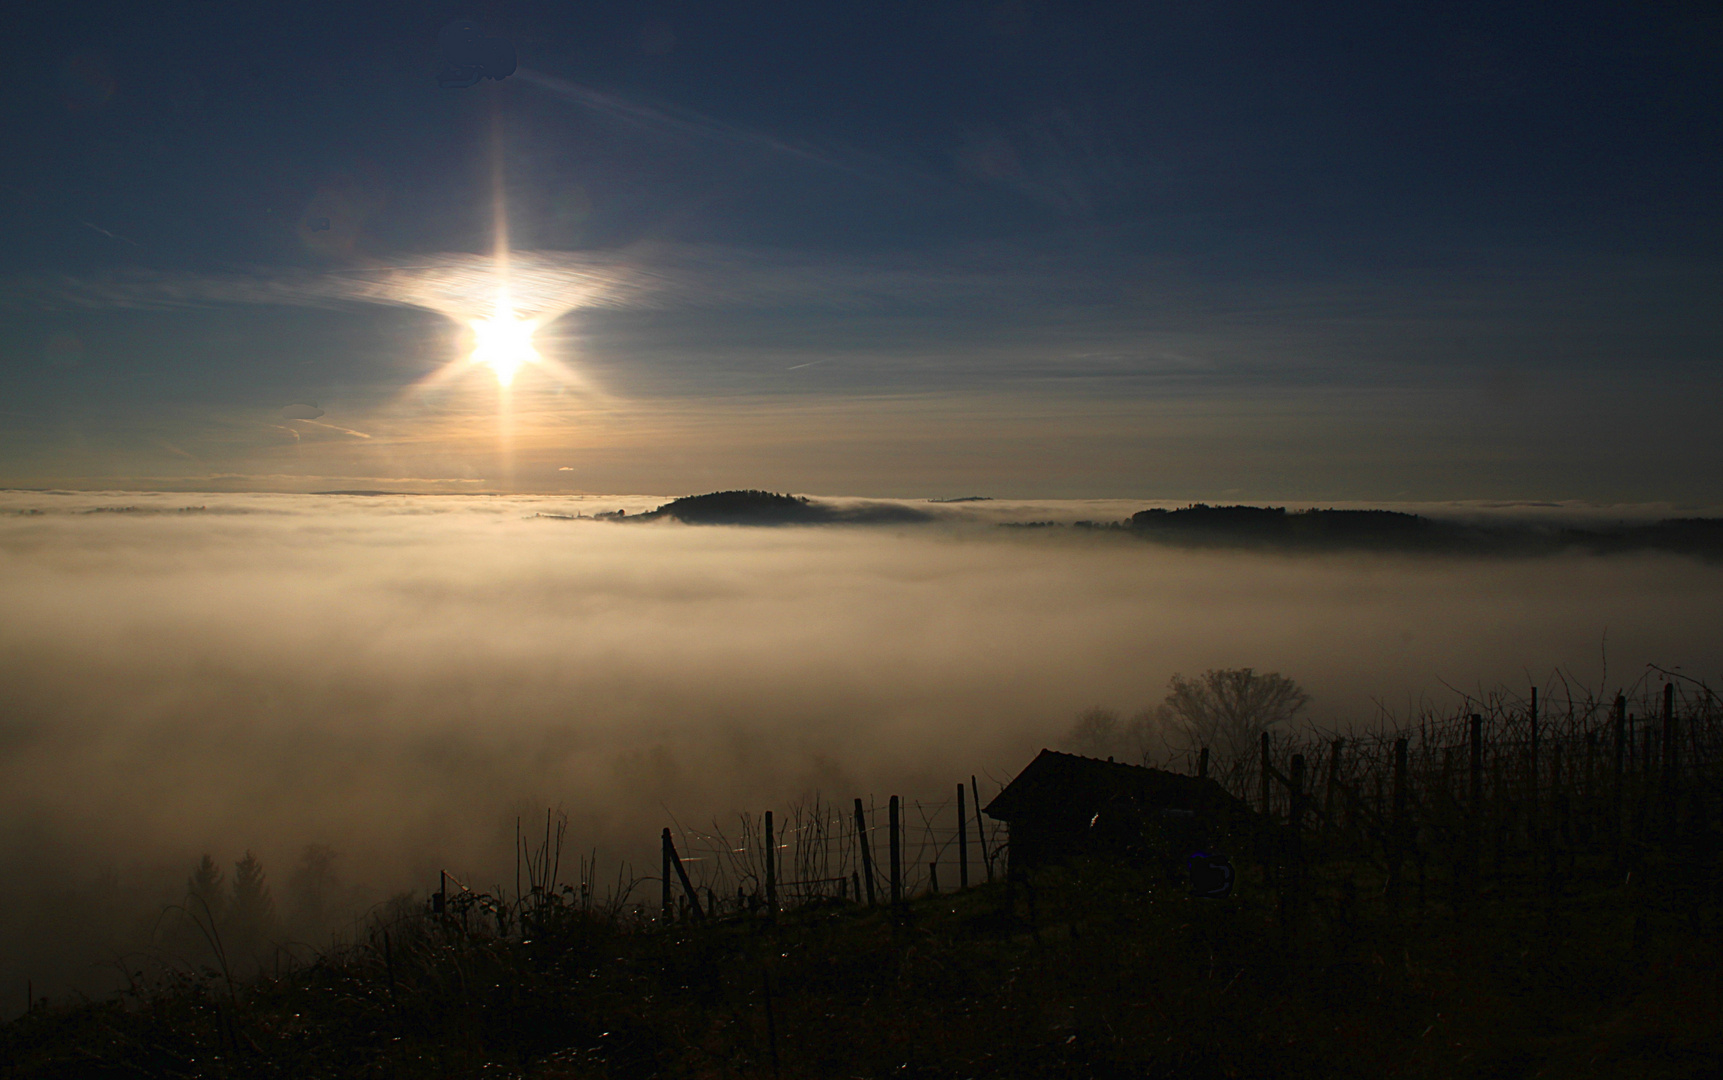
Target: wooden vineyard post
column 1292, row 894
column 1448, row 776
column 1558, row 798
column 1642, row 804
column 1475, row 805
column 1556, row 835
column 896, row 858
column 771, row 867
column 1532, row 794
column 1671, row 759
column 1267, row 807
column 1334, row 750
column 1500, row 811
column 668, row 909
column 1620, row 776
column 1265, row 826
column 980, row 836
column 1397, row 833
column 675, row 862
column 1627, row 768
column 1202, row 764
column 962, row 841
column 866, row 844
column 933, row 877
column 1589, row 788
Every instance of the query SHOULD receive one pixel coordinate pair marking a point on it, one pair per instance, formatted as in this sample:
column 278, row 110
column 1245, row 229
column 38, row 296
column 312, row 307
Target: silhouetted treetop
column 1273, row 524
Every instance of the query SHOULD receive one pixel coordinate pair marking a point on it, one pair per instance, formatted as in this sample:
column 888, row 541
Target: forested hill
column 1260, row 527
column 1266, row 525
column 1388, row 530
column 768, row 508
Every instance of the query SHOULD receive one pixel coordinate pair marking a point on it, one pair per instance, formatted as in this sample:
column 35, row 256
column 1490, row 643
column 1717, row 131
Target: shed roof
column 1056, row 784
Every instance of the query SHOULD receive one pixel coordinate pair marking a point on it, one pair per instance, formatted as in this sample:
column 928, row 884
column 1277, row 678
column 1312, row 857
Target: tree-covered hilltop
column 749, row 507
column 752, row 507
column 1238, row 526
column 1202, row 525
column 1273, row 525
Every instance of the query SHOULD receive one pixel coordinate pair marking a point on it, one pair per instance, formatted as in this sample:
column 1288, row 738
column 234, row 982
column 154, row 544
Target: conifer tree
column 251, row 913
column 203, row 890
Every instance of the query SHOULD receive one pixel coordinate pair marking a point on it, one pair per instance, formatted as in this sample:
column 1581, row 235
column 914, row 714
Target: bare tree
column 1099, row 733
column 1228, row 710
column 1095, row 734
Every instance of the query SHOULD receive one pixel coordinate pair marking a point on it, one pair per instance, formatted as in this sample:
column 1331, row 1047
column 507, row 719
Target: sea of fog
column 398, row 678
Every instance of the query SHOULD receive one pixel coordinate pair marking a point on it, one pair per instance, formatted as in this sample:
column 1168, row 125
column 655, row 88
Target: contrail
column 335, row 427
column 110, row 235
column 688, row 123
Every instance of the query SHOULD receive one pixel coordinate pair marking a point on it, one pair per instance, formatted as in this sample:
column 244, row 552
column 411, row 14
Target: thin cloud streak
column 690, row 125
column 334, row 427
column 1000, row 311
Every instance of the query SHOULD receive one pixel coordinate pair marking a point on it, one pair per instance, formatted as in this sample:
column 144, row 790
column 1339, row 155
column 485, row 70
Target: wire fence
column 1538, row 779
column 1536, row 750
column 817, row 854
column 1499, row 778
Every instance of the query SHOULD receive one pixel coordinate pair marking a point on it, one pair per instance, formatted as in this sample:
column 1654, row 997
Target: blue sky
column 1161, row 251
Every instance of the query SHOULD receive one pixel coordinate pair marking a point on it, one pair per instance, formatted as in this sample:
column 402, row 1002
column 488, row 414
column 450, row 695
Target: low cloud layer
column 398, row 678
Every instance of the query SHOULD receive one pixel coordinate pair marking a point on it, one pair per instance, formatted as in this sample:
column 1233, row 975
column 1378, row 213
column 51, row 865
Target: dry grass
column 1566, row 957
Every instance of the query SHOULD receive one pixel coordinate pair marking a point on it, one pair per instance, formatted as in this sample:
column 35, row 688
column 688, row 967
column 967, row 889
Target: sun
column 504, row 341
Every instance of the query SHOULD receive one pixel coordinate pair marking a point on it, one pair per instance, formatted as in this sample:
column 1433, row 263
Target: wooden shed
column 1063, row 805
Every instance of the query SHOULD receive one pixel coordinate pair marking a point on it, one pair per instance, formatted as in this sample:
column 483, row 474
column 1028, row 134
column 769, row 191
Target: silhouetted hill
column 1202, row 525
column 769, row 508
column 1273, row 526
column 1702, row 537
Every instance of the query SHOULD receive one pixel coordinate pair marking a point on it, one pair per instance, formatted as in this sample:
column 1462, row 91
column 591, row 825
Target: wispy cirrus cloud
column 1063, row 327
column 690, row 126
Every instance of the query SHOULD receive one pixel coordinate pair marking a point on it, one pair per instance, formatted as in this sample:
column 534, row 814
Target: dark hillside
column 1094, row 971
column 1201, row 525
column 1263, row 526
column 1500, row 896
column 768, row 508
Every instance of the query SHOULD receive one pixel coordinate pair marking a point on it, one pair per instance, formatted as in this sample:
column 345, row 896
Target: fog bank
column 398, row 678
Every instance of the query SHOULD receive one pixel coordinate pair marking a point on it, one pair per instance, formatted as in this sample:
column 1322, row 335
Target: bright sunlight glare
column 504, row 341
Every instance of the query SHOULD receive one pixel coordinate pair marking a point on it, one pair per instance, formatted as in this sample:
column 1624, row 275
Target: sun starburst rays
column 504, row 343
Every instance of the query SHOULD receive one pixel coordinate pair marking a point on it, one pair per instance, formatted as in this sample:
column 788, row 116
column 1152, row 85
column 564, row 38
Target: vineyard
column 1519, row 886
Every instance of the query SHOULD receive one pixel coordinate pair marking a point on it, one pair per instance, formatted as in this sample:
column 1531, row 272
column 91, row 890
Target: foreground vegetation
column 1100, row 969
column 1515, row 890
